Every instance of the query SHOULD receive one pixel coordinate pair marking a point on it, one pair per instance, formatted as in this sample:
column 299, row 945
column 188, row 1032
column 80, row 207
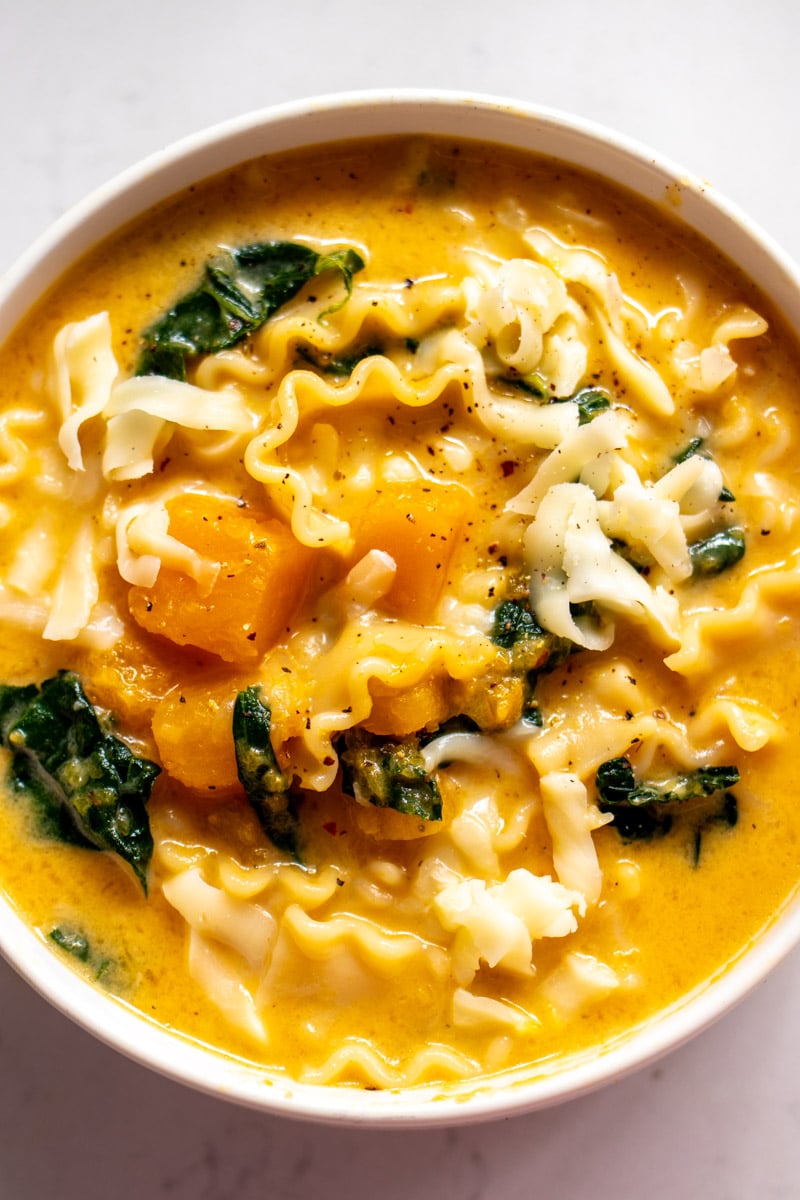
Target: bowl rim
column 309, row 122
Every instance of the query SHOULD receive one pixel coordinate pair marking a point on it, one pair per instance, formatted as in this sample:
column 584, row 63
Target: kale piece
column 717, row 553
column 87, row 787
column 268, row 788
column 240, row 290
column 389, row 773
column 642, row 809
column 515, row 628
column 726, row 815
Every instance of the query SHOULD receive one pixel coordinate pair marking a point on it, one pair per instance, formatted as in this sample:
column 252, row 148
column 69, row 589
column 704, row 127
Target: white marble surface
column 86, row 88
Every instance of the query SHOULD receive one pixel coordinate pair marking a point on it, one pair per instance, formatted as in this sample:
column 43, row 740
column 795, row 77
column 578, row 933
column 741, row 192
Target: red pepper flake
column 508, row 468
column 330, row 827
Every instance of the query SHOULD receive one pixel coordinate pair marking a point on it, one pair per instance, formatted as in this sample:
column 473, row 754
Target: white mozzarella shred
column 502, row 920
column 571, row 819
column 640, row 515
column 476, row 1012
column 576, row 264
column 579, row 449
column 77, row 590
column 85, row 369
column 572, row 562
column 695, row 484
column 144, row 545
column 141, row 409
column 564, row 358
column 577, row 982
column 513, row 313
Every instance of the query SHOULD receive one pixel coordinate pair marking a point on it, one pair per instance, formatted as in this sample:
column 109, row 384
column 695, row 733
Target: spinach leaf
column 504, row 693
column 389, row 773
column 642, row 809
column 717, row 553
column 532, row 649
column 74, row 941
column 240, row 290
column 590, row 402
column 86, row 785
column 267, row 787
column 533, row 385
column 694, row 446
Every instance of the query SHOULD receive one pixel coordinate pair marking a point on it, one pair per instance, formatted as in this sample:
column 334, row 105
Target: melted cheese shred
column 409, row 459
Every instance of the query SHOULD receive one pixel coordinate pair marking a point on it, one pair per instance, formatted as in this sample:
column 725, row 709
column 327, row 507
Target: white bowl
column 330, row 119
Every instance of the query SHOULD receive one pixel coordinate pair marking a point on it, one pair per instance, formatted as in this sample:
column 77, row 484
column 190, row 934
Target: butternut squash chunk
column 192, row 727
column 260, row 584
column 420, row 524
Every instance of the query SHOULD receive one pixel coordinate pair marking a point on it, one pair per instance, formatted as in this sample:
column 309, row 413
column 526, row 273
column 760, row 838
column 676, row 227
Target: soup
column 398, row 582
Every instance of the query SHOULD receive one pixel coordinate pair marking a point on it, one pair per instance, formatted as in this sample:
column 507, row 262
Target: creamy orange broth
column 664, row 924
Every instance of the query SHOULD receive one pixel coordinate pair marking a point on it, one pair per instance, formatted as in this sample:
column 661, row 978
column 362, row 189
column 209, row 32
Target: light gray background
column 88, row 87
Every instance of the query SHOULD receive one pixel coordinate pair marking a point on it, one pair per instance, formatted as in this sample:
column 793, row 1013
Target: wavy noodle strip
column 77, row 590
column 386, row 951
column 397, row 653
column 245, row 927
column 212, row 969
column 310, row 890
column 751, row 617
column 13, row 449
column 482, row 1012
column 590, row 741
column 751, row 725
column 357, row 1060
column 375, row 314
column 85, row 369
column 452, row 359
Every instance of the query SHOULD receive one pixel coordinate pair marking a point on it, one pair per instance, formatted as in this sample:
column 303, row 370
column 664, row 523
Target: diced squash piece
column 396, row 713
column 387, row 825
column 262, row 578
column 420, row 524
column 192, row 727
column 128, row 682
